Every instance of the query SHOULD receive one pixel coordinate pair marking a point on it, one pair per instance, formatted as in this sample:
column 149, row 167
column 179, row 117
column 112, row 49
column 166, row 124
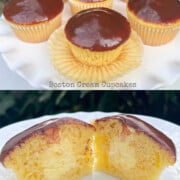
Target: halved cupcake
column 52, row 150
column 156, row 22
column 131, row 149
column 33, row 20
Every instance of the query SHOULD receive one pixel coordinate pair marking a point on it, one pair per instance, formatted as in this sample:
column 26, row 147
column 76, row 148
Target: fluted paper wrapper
column 37, row 32
column 96, row 58
column 66, row 64
column 77, row 5
column 152, row 34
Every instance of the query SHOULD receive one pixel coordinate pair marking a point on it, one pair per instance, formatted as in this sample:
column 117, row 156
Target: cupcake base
column 153, row 34
column 77, row 5
column 66, row 64
column 37, row 32
column 95, row 58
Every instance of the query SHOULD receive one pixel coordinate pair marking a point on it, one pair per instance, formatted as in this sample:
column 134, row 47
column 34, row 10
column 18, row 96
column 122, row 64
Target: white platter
column 160, row 65
column 171, row 130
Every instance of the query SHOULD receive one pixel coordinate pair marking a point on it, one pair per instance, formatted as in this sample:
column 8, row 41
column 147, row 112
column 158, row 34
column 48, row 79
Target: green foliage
column 16, row 106
column 2, row 5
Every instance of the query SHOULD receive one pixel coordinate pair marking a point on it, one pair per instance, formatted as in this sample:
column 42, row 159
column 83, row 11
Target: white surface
column 171, row 130
column 160, row 66
column 10, row 80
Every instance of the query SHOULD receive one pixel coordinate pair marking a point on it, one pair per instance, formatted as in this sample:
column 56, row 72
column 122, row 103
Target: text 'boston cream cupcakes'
column 79, row 5
column 156, row 21
column 96, row 36
column 33, row 20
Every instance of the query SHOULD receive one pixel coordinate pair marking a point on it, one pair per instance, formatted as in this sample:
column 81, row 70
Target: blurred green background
column 20, row 105
column 2, row 5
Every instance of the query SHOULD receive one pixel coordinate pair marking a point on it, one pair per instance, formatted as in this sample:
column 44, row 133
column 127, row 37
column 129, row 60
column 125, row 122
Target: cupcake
column 130, row 149
column 96, row 36
column 33, row 20
column 79, row 5
column 96, row 45
column 57, row 149
column 156, row 22
column 69, row 149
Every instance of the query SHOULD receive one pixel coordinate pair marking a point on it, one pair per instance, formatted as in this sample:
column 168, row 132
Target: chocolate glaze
column 97, row 29
column 32, row 11
column 141, row 126
column 37, row 129
column 156, row 11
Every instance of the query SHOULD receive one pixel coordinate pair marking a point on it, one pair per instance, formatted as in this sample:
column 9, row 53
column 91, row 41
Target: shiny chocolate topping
column 32, row 11
column 37, row 129
column 97, row 29
column 147, row 129
column 156, row 11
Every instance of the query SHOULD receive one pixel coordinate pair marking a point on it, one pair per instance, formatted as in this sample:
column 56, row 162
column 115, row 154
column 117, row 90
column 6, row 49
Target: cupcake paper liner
column 65, row 63
column 94, row 57
column 77, row 5
column 125, row 1
column 36, row 32
column 153, row 34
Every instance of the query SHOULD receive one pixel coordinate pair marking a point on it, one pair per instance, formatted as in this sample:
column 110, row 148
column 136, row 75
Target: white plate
column 160, row 66
column 171, row 130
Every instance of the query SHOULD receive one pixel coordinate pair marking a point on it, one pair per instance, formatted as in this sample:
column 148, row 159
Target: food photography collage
column 89, row 89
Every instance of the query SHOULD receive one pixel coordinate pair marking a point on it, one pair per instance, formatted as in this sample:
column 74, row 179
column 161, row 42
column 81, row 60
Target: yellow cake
column 156, row 21
column 33, row 20
column 130, row 149
column 53, row 150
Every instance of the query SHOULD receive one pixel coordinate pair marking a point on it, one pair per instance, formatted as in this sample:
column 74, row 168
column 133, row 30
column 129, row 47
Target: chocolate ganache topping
column 32, row 11
column 156, row 11
column 37, row 129
column 141, row 126
column 97, row 29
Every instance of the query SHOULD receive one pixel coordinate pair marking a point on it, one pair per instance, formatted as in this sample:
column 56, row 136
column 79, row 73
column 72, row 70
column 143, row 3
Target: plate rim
column 85, row 112
column 34, row 85
column 42, row 118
